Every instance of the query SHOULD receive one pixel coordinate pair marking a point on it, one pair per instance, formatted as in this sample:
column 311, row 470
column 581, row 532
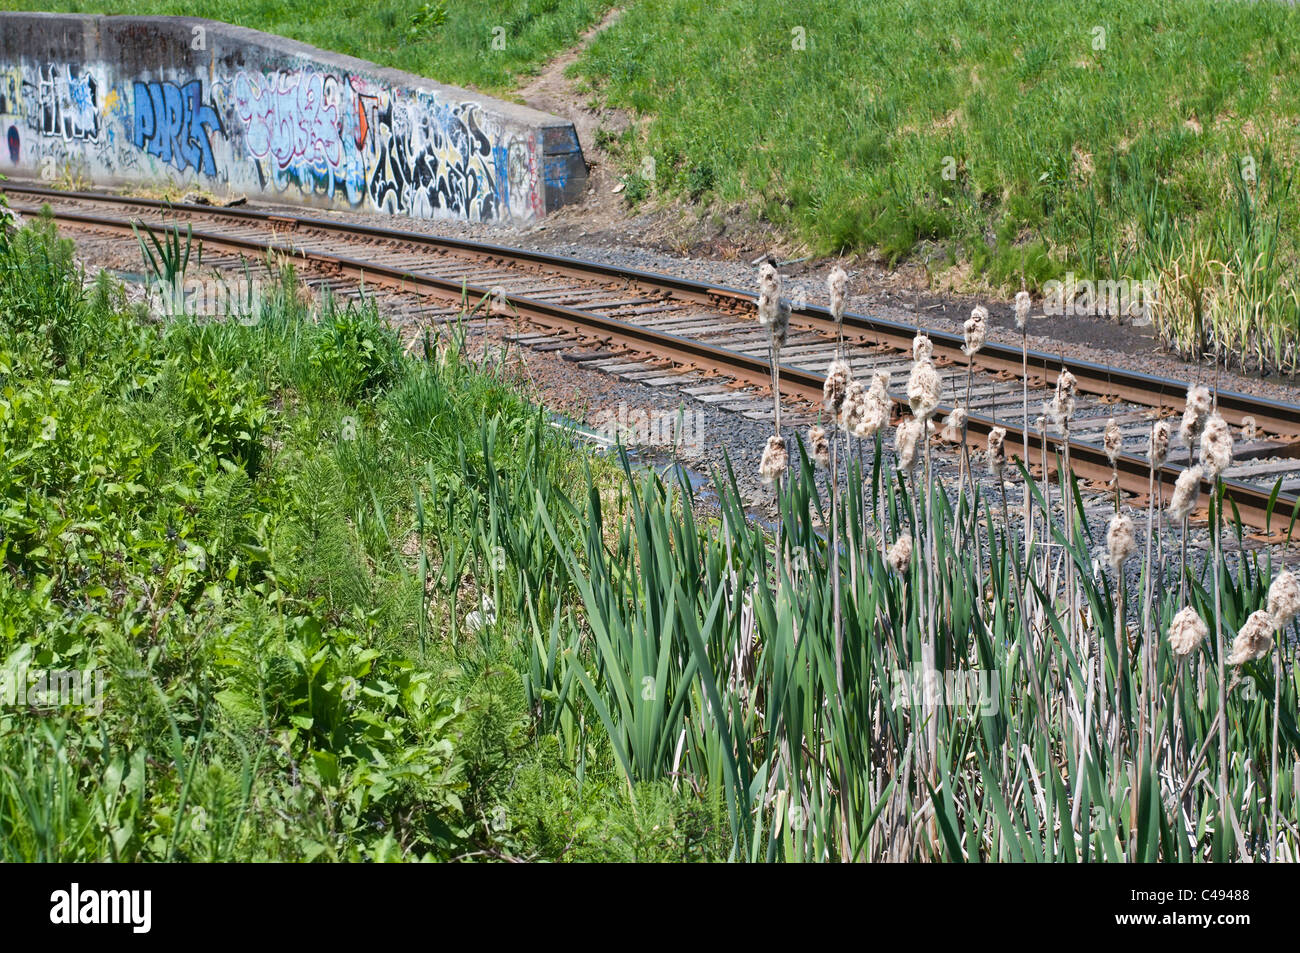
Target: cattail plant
column 900, row 555
column 1157, row 450
column 1283, row 606
column 1120, row 547
column 1187, row 491
column 906, row 437
column 1216, row 455
column 775, row 460
column 997, row 466
column 974, row 333
column 1022, row 325
column 923, row 395
column 1061, row 409
column 837, row 285
column 1161, row 433
column 1187, row 632
column 823, row 456
column 773, row 314
column 819, row 447
column 954, row 426
column 1113, row 443
column 1253, row 639
column 1195, row 411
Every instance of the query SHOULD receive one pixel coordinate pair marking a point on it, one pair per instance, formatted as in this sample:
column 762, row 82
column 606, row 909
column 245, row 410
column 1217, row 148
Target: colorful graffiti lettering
column 291, row 117
column 435, row 159
column 64, row 101
column 174, row 124
column 14, row 143
column 294, row 122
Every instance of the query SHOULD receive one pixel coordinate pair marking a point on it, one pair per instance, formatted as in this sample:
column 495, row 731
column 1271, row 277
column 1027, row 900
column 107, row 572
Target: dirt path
column 553, row 92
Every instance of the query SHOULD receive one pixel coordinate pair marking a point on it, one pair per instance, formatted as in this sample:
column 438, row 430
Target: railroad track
column 702, row 340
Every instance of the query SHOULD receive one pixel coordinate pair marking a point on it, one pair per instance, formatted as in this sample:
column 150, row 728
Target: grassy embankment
column 1019, row 140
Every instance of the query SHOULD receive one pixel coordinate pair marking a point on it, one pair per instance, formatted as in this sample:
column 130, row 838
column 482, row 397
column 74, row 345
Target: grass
column 992, row 134
column 452, row 42
column 268, row 537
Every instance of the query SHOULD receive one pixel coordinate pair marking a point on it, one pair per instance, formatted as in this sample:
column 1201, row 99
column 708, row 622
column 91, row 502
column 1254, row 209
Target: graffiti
column 11, row 92
column 63, row 101
column 520, row 177
column 173, row 123
column 294, row 125
column 269, row 124
column 434, row 160
column 291, row 117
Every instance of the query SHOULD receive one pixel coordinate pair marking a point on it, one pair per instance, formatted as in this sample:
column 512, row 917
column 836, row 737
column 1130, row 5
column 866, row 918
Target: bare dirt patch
column 553, row 92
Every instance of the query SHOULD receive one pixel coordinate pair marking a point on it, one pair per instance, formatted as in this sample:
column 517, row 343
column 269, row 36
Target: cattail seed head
column 1112, row 441
column 819, row 447
column 1216, row 446
column 1120, row 543
column 906, row 436
column 1249, row 429
column 837, row 283
column 880, row 385
column 900, row 554
column 922, row 347
column 923, row 389
column 997, row 451
column 833, row 390
column 1159, row 448
column 775, row 460
column 1187, row 630
column 1253, row 639
column 1187, row 491
column 855, row 397
column 1022, row 309
column 874, row 416
column 768, row 305
column 1284, row 598
column 769, row 297
column 1061, row 406
column 953, row 424
column 779, row 329
column 975, row 330
column 1195, row 412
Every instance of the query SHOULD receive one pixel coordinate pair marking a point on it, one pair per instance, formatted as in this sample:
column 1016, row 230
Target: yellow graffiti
column 111, row 99
column 11, row 91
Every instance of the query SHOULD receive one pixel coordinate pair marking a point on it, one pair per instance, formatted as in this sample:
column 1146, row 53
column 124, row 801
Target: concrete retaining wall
column 131, row 100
